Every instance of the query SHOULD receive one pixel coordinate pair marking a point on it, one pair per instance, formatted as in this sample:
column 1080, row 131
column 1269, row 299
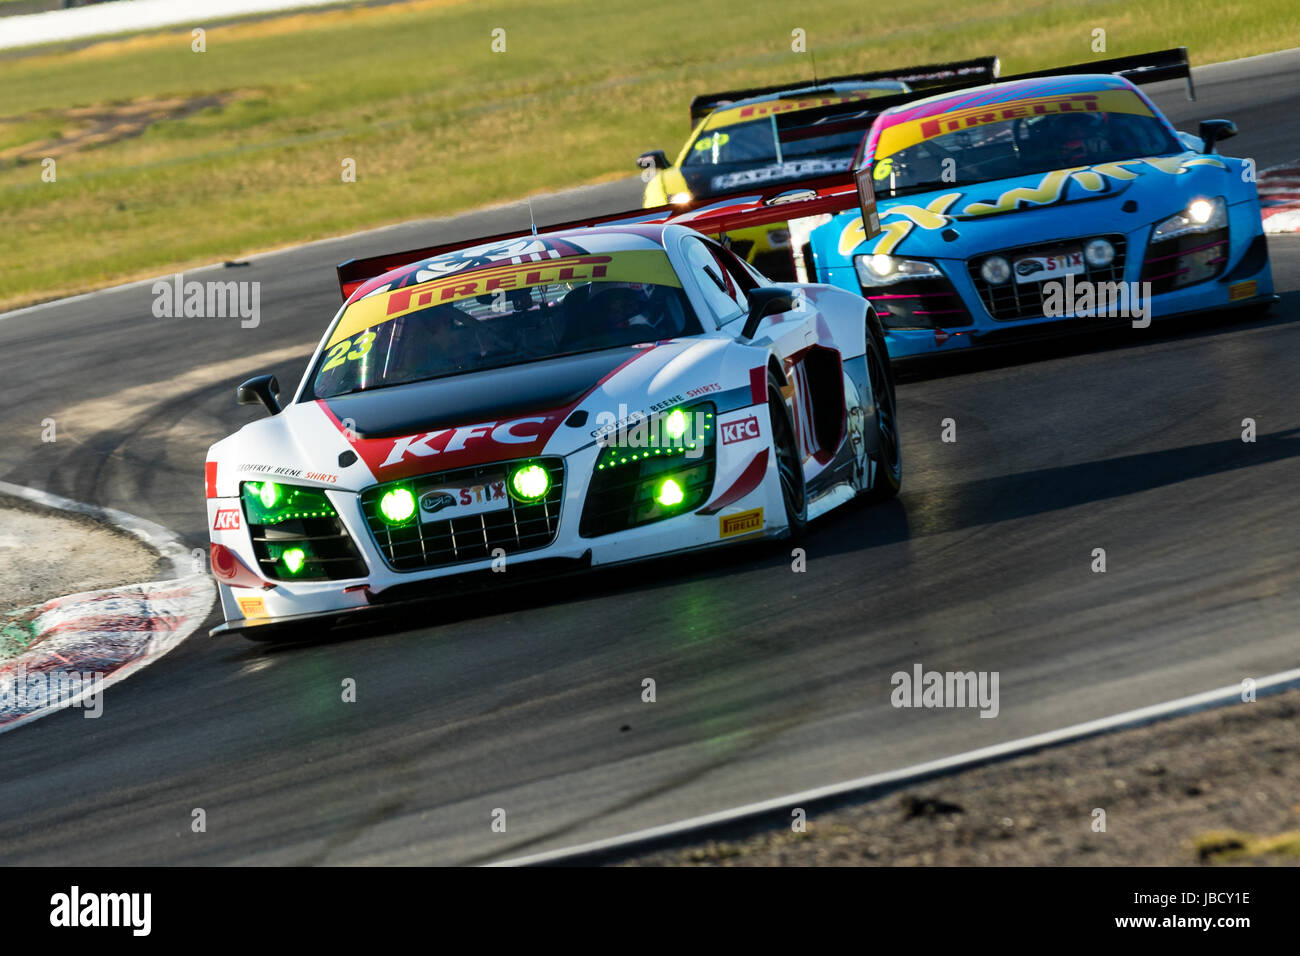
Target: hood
column 491, row 395
column 554, row 407
column 963, row 221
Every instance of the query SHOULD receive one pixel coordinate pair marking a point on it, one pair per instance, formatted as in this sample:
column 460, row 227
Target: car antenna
column 531, row 221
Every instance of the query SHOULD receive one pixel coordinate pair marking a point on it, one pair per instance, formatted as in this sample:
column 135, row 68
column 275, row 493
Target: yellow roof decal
column 726, row 116
column 643, row 265
column 911, row 132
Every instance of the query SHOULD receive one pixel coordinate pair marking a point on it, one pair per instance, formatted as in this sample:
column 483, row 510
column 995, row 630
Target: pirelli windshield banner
column 910, row 132
column 650, row 266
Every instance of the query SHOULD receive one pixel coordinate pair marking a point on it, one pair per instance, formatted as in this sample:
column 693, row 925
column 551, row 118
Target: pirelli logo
column 649, row 266
column 576, row 269
column 252, row 607
column 746, row 522
column 979, row 116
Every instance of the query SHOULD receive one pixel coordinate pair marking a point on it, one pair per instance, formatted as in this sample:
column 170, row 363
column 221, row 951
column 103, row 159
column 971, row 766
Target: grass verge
column 164, row 157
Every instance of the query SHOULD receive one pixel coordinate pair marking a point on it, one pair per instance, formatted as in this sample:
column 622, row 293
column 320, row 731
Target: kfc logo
column 227, row 520
column 514, row 432
column 743, row 430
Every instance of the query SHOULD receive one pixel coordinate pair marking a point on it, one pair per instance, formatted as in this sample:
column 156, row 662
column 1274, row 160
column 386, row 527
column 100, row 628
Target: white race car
column 542, row 403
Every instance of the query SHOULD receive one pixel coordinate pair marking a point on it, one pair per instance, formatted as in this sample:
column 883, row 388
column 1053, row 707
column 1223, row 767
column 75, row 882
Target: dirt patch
column 88, row 127
column 1220, row 787
column 46, row 554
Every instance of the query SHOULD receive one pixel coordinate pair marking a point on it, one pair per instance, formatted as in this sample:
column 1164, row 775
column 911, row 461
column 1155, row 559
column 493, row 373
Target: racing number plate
column 1042, row 268
column 461, row 501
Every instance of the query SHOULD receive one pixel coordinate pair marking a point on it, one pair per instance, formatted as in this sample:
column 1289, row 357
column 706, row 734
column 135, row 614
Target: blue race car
column 1042, row 204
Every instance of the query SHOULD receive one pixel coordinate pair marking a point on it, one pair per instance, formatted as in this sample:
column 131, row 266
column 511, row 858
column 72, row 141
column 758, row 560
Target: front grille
column 930, row 303
column 419, row 545
column 1185, row 260
column 1012, row 300
column 332, row 556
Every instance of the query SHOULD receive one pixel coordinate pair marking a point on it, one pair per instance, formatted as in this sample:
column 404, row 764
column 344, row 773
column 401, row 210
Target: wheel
column 889, row 458
column 788, row 465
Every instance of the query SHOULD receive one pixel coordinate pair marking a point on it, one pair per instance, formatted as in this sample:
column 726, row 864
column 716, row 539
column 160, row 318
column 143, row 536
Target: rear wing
column 1139, row 68
column 982, row 69
column 714, row 216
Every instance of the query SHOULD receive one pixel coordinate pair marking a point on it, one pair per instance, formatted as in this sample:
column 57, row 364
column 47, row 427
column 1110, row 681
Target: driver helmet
column 1079, row 133
column 622, row 305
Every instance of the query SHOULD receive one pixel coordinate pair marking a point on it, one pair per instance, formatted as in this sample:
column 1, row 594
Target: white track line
column 130, row 16
column 1132, row 718
column 182, row 603
column 162, row 540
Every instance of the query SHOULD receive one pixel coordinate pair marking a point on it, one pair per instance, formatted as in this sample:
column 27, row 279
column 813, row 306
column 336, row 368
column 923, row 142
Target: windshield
column 798, row 137
column 502, row 315
column 757, row 142
column 1018, row 138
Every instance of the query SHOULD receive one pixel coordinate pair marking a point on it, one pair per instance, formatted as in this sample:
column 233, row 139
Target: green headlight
column 675, row 424
column 670, row 494
column 530, row 482
column 294, row 559
column 271, row 503
column 397, row 505
column 269, row 494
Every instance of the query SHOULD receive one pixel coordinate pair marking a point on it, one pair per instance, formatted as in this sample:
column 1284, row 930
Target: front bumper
column 300, row 605
column 1246, row 280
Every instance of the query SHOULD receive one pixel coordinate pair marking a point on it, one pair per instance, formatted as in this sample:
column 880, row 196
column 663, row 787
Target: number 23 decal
column 339, row 353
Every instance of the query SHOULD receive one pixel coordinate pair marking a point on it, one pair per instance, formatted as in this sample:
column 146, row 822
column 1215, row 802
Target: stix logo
column 743, row 430
column 431, row 502
column 227, row 519
column 746, row 522
column 469, row 437
column 491, row 492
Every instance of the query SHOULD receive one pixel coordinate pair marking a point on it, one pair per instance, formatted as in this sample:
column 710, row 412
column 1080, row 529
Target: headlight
column 995, row 270
column 1099, row 253
column 1201, row 215
column 530, row 483
column 881, row 269
column 679, row 199
column 297, row 534
column 655, row 467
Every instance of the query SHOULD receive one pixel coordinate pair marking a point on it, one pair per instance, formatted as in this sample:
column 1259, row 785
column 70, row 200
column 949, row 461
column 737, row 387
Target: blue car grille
column 418, row 545
column 1013, row 300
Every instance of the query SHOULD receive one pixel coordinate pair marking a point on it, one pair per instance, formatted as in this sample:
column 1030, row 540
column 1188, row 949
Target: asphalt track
column 768, row 681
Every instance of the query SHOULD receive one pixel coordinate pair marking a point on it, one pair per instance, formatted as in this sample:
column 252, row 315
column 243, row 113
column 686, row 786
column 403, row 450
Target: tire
column 788, row 464
column 889, row 460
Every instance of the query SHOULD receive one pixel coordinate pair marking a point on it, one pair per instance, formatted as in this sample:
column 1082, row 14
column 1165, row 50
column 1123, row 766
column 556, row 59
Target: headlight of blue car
column 881, row 269
column 1201, row 215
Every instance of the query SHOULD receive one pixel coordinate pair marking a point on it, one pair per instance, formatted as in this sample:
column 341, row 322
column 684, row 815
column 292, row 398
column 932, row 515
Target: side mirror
column 762, row 303
column 1214, row 130
column 653, row 159
column 262, row 390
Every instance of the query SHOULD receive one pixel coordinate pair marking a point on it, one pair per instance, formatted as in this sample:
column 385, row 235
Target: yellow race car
column 764, row 136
